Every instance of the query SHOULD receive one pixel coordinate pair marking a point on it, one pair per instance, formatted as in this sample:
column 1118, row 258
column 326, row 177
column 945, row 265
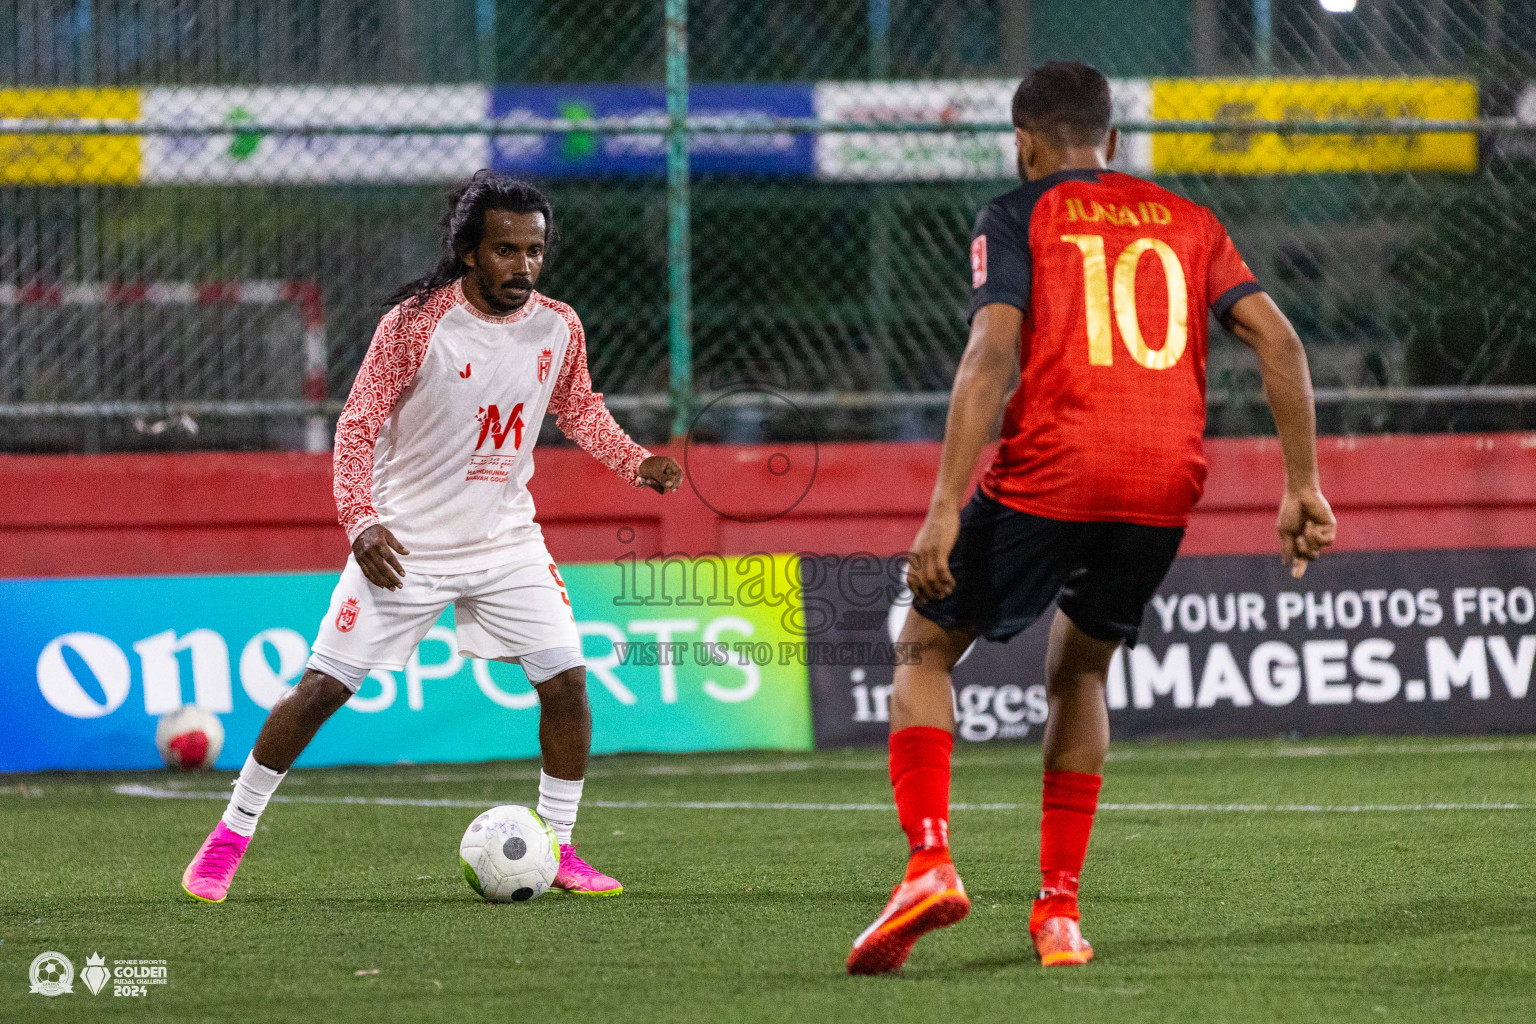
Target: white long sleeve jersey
column 436, row 439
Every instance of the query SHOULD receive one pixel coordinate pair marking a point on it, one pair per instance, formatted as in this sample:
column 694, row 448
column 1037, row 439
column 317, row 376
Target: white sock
column 253, row 789
column 558, row 800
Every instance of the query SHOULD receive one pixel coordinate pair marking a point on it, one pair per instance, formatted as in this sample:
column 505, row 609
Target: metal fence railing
column 769, row 203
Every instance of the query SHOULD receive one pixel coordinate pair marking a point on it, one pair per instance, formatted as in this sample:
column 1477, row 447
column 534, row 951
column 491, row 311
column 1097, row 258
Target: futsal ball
column 190, row 737
column 509, row 854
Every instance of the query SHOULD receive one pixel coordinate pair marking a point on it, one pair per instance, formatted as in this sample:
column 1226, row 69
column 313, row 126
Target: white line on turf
column 970, row 759
column 160, row 793
column 446, row 773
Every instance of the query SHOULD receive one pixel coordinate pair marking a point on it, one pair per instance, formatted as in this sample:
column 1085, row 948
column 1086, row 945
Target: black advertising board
column 1402, row 642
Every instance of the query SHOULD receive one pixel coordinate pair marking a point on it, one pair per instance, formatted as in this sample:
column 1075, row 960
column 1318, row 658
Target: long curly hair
column 464, row 226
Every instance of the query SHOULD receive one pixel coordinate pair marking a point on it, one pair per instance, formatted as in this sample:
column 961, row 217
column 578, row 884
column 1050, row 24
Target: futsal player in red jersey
column 1095, row 286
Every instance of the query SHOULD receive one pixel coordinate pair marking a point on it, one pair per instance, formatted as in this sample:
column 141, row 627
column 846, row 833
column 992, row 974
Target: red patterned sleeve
column 394, row 356
column 580, row 413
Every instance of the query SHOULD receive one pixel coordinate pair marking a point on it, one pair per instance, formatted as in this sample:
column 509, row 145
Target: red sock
column 1066, row 822
column 920, row 776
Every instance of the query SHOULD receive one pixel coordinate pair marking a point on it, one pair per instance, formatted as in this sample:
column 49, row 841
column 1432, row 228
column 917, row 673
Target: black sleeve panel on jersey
column 1008, row 263
column 1222, row 307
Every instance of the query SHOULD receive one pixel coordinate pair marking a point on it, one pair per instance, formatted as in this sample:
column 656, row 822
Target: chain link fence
column 203, row 202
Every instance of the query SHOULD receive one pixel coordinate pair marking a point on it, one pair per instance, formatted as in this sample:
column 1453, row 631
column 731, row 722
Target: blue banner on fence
column 588, row 154
column 87, row 667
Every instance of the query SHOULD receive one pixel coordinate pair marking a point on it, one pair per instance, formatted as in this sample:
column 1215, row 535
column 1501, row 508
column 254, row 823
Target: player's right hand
column 928, row 567
column 377, row 560
column 1307, row 528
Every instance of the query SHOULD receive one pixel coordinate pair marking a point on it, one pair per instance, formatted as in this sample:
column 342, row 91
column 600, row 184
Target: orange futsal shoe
column 1060, row 943
column 934, row 899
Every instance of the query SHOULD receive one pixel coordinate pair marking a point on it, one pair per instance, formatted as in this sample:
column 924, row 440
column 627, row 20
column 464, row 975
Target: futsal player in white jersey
column 433, row 454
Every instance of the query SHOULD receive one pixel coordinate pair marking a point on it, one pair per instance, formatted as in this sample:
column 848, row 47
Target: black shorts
column 1009, row 565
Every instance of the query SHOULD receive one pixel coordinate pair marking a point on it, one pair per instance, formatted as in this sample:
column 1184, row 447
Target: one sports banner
column 87, row 666
column 1404, row 642
column 588, row 154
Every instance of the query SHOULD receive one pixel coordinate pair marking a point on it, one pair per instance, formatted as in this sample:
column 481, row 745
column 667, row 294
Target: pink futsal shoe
column 579, row 878
column 207, row 878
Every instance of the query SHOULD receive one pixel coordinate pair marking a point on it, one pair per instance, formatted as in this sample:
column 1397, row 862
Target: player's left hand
column 661, row 473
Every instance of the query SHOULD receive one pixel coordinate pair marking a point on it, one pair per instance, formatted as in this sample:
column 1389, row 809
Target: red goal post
column 303, row 295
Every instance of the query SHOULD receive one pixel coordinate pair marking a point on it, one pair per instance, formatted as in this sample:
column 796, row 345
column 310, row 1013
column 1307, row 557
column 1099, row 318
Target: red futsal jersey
column 1115, row 277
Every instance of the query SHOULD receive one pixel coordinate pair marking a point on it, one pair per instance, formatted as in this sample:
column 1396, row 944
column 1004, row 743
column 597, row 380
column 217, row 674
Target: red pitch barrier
column 272, row 512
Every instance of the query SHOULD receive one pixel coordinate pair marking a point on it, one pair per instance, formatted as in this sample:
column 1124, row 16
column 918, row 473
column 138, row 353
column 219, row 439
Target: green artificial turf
column 747, row 914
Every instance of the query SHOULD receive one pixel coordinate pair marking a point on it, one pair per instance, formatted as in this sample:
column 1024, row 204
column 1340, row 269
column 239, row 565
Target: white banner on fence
column 268, row 156
column 938, row 156
column 1520, row 145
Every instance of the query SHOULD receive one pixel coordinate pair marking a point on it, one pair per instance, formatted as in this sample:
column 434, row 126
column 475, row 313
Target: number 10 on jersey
column 1101, row 344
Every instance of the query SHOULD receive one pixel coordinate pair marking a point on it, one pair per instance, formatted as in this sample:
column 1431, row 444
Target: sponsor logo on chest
column 495, row 465
column 507, row 389
column 493, row 429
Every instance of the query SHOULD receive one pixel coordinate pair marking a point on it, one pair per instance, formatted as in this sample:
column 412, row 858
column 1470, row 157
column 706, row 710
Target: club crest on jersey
column 544, row 359
column 492, row 428
column 346, row 617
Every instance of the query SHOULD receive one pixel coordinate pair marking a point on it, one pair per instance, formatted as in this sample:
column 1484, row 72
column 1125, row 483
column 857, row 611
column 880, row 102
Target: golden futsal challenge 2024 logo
column 53, row 974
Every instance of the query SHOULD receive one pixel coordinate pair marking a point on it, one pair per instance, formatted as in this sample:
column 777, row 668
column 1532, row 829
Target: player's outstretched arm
column 582, row 416
column 976, row 402
column 1306, row 522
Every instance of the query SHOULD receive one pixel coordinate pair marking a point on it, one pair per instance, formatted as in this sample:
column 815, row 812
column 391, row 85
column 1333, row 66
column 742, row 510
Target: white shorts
column 501, row 613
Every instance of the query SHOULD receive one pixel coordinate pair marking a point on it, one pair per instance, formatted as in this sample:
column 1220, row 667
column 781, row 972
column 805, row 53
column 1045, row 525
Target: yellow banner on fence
column 69, row 159
column 1315, row 99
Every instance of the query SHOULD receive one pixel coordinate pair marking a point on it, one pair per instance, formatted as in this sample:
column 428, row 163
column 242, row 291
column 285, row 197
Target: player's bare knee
column 930, row 645
column 1079, row 672
column 318, row 695
column 947, row 653
column 1067, row 681
column 566, row 691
